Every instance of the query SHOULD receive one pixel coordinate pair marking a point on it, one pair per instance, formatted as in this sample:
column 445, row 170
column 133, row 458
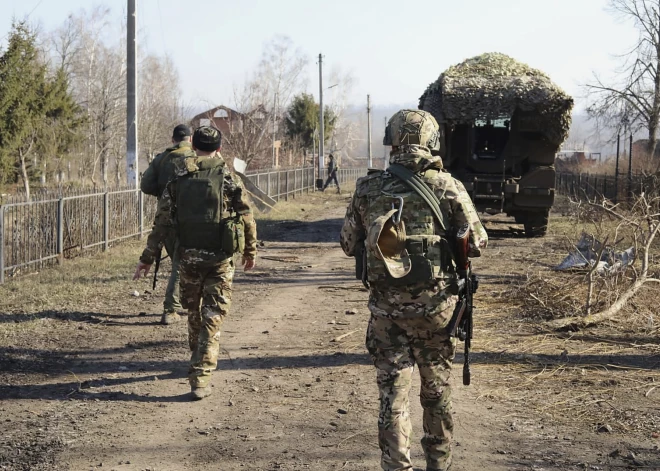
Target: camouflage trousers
column 206, row 279
column 396, row 345
column 172, row 302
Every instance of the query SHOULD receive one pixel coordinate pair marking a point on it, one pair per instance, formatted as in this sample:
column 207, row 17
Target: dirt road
column 89, row 379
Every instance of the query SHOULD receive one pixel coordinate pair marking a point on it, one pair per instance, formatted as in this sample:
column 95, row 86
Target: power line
column 26, row 17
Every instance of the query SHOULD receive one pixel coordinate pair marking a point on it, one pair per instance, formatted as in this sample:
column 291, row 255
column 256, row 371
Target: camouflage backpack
column 404, row 245
column 198, row 211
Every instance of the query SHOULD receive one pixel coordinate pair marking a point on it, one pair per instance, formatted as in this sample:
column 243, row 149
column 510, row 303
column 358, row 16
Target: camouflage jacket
column 161, row 169
column 234, row 198
column 455, row 203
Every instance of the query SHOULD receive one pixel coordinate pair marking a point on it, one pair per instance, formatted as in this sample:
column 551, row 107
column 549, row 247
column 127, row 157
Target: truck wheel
column 536, row 224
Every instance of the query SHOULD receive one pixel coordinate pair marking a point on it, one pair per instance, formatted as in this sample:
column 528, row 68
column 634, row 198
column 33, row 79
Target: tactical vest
column 427, row 246
column 199, row 206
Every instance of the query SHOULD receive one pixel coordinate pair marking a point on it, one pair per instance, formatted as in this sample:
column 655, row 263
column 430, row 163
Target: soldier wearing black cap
column 213, row 221
column 154, row 180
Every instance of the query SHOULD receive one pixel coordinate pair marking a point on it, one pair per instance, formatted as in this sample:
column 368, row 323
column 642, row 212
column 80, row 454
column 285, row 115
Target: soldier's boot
column 338, row 191
column 198, row 392
column 170, row 317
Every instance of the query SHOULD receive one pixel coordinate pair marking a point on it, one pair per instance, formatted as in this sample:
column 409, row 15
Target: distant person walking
column 333, row 166
column 154, row 181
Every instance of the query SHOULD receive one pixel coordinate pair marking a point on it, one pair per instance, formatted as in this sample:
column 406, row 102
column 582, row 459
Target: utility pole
column 131, row 98
column 319, row 182
column 369, row 163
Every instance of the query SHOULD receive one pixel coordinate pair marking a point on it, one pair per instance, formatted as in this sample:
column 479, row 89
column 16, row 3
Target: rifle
column 159, row 258
column 461, row 323
column 361, row 263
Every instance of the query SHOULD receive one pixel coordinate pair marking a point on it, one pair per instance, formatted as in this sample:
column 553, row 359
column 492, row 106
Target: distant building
column 222, row 117
column 567, row 159
column 245, row 134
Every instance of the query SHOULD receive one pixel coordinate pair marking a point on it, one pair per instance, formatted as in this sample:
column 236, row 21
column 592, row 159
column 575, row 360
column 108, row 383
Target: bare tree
column 158, row 103
column 262, row 99
column 633, row 99
column 642, row 220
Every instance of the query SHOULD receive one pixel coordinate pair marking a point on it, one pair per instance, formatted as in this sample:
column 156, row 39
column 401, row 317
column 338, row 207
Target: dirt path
column 100, row 385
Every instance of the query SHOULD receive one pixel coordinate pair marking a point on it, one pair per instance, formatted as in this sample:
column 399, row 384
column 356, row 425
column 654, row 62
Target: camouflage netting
column 492, row 86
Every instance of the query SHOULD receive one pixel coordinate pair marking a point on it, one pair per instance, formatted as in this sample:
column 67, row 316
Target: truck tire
column 536, row 224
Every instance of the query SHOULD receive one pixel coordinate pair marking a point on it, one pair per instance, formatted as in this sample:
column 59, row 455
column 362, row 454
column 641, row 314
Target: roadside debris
column 586, row 253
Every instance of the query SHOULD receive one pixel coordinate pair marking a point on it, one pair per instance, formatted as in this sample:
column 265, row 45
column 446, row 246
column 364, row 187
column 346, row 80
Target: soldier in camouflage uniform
column 410, row 306
column 206, row 271
column 154, row 180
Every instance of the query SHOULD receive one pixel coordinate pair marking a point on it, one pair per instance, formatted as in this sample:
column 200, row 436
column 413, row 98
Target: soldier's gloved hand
column 248, row 263
column 141, row 267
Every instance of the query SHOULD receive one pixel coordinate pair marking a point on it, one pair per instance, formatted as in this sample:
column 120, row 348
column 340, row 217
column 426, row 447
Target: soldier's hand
column 248, row 263
column 141, row 267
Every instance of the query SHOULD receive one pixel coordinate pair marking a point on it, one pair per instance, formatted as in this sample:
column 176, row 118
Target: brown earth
column 90, row 380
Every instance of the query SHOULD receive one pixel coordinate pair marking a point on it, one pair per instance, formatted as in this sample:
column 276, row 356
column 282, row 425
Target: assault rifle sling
column 422, row 189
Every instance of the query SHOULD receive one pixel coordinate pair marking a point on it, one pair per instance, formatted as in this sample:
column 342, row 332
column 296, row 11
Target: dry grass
column 607, row 375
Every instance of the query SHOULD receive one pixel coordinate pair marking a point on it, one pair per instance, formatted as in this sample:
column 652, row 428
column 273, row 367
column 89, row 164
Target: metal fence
column 55, row 226
column 38, row 233
column 282, row 184
column 591, row 186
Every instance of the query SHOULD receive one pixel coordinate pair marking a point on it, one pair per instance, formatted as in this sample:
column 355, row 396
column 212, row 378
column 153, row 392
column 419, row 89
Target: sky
column 393, row 48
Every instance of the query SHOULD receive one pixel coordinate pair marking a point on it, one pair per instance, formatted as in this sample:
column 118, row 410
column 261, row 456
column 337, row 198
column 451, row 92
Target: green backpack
column 200, row 208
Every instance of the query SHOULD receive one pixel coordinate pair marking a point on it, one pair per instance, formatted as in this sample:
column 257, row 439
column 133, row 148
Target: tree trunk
column 24, row 174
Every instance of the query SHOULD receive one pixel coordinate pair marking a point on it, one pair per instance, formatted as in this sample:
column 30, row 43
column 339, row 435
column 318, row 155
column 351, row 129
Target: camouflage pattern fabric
column 234, row 198
column 205, row 276
column 408, row 322
column 492, row 86
column 395, row 346
column 206, row 286
column 412, row 127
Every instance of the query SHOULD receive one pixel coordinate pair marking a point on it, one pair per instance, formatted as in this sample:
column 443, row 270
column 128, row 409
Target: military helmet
column 408, row 127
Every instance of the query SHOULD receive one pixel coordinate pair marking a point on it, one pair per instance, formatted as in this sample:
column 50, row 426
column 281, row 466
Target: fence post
column 268, row 184
column 295, row 182
column 279, row 184
column 60, row 229
column 140, row 213
column 286, row 185
column 106, row 220
column 2, row 244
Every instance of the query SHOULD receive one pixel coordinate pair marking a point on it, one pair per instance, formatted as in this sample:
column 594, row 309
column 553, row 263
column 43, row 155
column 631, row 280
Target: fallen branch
column 343, row 336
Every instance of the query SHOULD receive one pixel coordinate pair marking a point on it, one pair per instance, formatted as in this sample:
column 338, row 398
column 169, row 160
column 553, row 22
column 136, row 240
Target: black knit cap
column 180, row 132
column 207, row 138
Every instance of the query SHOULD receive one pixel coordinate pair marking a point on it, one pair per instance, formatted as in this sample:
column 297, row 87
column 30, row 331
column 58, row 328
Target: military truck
column 502, row 124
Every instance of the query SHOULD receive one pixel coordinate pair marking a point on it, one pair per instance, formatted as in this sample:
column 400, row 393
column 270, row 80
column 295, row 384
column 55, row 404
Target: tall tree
column 23, row 89
column 62, row 124
column 302, row 120
column 632, row 100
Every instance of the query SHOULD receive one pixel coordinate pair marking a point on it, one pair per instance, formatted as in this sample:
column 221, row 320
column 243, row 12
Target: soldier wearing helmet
column 409, row 269
column 213, row 220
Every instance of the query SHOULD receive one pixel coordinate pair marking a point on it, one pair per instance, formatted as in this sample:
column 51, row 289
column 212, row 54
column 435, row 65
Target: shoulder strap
column 422, row 189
